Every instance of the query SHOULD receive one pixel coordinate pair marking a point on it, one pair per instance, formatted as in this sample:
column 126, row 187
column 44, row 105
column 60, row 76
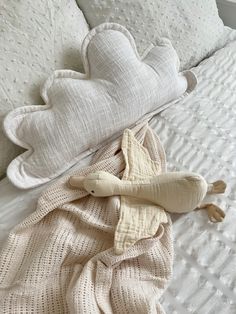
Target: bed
column 198, row 134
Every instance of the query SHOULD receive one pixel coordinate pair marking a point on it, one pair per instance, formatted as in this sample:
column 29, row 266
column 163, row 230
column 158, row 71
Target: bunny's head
column 98, row 184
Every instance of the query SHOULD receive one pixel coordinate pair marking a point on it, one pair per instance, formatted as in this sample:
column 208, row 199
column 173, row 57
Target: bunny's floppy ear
column 77, row 181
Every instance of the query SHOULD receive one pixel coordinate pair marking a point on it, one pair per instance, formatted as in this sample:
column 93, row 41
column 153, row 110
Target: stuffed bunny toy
column 176, row 192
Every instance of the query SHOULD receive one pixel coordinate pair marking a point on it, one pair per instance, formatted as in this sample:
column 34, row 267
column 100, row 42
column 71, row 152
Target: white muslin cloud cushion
column 36, row 38
column 83, row 111
column 194, row 27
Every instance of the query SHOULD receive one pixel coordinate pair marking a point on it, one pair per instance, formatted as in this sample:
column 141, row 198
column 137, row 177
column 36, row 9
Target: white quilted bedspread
column 199, row 134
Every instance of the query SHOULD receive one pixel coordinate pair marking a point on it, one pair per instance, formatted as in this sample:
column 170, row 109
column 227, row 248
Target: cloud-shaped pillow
column 83, row 111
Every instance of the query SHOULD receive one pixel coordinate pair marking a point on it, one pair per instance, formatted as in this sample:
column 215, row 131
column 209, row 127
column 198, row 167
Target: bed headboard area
column 227, row 11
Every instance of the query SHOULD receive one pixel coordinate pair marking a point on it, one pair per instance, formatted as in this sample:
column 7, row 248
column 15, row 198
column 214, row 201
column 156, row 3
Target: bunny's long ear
column 77, row 181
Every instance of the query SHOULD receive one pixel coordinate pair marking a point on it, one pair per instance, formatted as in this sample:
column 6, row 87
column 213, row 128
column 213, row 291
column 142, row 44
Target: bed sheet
column 199, row 134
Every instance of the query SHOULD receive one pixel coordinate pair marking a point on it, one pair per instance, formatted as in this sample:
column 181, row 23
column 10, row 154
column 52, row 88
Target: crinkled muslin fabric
column 61, row 258
column 85, row 111
column 138, row 219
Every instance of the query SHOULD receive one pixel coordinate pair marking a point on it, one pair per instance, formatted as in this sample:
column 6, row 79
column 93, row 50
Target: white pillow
column 83, row 111
column 193, row 26
column 36, row 38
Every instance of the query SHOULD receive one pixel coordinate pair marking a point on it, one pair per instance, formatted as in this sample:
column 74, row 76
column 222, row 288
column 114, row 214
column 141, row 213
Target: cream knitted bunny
column 176, row 192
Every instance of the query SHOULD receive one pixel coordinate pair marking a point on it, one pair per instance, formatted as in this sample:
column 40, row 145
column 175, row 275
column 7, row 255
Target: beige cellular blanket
column 61, row 259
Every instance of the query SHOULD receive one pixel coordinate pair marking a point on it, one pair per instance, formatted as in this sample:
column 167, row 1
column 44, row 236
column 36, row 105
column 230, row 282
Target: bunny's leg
column 214, row 213
column 216, row 187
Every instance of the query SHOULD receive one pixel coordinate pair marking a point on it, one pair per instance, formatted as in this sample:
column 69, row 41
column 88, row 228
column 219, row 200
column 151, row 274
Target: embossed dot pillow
column 193, row 26
column 36, row 37
column 83, row 111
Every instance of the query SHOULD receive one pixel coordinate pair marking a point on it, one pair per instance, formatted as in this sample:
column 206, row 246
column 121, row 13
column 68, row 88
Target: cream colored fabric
column 174, row 191
column 146, row 192
column 138, row 219
column 85, row 111
column 61, row 258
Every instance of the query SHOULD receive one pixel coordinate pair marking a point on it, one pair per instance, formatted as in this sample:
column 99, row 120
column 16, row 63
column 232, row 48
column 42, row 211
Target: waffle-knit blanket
column 61, row 258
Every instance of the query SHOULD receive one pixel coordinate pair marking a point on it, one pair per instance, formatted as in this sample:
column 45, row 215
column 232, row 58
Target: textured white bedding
column 199, row 134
